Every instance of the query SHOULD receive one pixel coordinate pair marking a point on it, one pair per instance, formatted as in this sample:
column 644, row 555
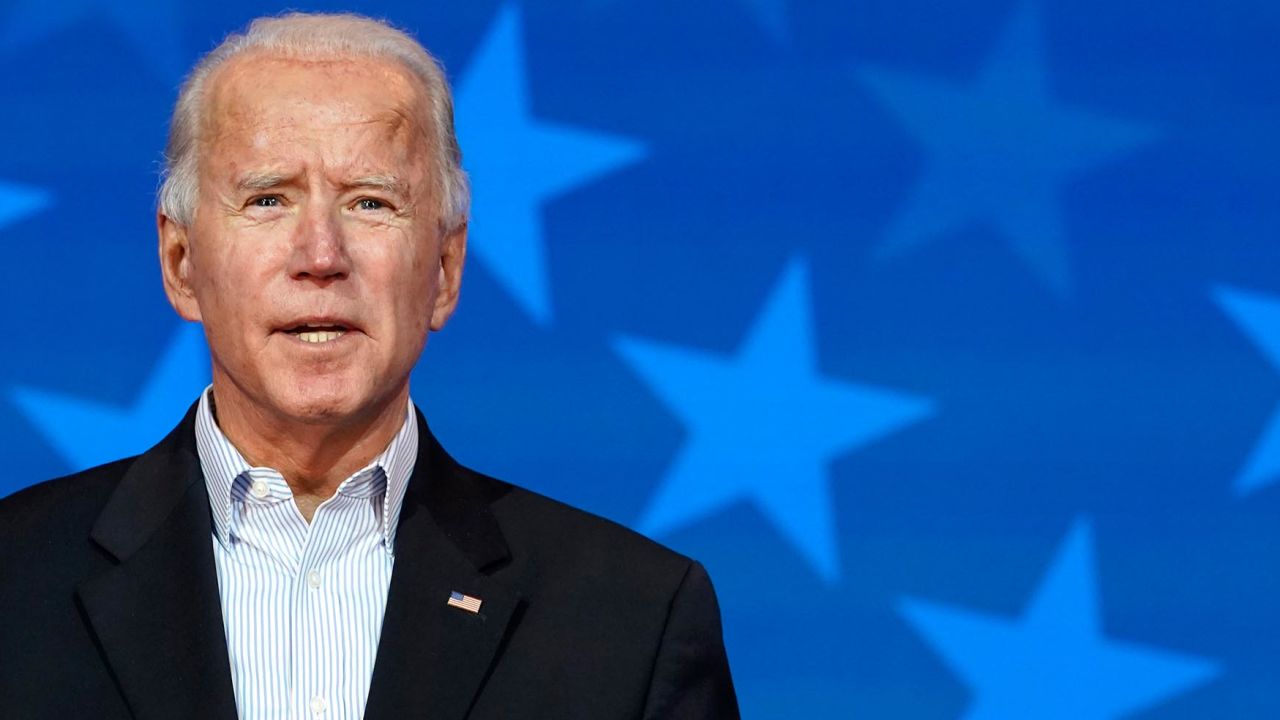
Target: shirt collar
column 227, row 473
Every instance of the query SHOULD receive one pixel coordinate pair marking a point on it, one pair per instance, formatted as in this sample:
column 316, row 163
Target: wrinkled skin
column 317, row 204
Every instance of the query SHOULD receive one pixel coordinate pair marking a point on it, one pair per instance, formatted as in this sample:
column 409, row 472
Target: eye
column 370, row 204
column 266, row 201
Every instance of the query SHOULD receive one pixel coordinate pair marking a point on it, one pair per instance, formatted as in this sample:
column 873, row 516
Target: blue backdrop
column 946, row 334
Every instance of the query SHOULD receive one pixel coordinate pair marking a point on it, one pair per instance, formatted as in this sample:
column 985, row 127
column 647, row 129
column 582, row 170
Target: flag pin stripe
column 465, row 602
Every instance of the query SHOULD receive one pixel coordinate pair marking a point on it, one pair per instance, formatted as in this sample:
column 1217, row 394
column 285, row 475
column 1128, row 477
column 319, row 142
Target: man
column 300, row 545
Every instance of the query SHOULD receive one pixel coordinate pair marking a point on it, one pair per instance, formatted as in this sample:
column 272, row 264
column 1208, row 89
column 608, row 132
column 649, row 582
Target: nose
column 319, row 250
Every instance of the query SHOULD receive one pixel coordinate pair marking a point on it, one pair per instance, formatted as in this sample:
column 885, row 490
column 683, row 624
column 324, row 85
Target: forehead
column 256, row 100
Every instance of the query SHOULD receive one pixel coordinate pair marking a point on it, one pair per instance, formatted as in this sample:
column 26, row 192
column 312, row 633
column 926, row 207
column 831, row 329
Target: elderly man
column 300, row 545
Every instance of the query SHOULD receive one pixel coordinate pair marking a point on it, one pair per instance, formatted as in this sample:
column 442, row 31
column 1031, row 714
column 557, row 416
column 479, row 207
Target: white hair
column 312, row 36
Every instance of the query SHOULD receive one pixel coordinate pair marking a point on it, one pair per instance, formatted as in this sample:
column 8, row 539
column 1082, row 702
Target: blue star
column 151, row 26
column 1259, row 317
column 771, row 15
column 19, row 201
column 998, row 152
column 87, row 433
column 763, row 425
column 1054, row 662
column 517, row 162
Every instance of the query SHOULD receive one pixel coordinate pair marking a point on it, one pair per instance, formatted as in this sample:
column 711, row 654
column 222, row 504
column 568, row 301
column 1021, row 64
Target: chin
column 323, row 400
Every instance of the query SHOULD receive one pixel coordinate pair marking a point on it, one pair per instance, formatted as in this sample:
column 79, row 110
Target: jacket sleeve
column 691, row 677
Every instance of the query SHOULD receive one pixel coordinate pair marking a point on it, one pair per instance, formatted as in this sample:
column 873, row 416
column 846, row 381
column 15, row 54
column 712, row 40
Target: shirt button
column 260, row 489
column 317, row 704
column 313, row 579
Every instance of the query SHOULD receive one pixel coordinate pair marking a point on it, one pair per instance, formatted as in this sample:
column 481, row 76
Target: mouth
column 318, row 332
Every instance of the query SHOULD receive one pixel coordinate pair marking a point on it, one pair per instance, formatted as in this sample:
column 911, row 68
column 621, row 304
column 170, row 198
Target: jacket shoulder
column 562, row 540
column 61, row 506
column 626, row 625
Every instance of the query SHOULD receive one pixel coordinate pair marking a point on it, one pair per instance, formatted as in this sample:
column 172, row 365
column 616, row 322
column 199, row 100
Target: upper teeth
column 319, row 336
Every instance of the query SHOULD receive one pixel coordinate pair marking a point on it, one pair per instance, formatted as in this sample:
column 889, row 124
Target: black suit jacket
column 109, row 603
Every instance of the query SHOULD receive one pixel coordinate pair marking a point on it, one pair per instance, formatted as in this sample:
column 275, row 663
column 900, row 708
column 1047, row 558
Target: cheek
column 414, row 300
column 404, row 270
column 206, row 276
column 229, row 283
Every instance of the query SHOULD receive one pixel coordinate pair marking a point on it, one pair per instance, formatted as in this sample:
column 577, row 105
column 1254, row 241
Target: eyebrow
column 386, row 183
column 254, row 180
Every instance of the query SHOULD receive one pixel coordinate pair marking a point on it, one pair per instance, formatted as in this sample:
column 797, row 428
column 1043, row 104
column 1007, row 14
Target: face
column 316, row 259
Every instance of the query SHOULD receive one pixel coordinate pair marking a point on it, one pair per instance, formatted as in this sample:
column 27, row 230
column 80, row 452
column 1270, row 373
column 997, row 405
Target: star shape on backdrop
column 772, row 16
column 517, row 162
column 762, row 425
column 152, row 27
column 1258, row 316
column 86, row 432
column 1054, row 661
column 998, row 152
column 21, row 201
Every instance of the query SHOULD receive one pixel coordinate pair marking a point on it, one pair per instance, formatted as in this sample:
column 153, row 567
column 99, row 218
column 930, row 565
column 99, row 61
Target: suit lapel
column 156, row 614
column 433, row 658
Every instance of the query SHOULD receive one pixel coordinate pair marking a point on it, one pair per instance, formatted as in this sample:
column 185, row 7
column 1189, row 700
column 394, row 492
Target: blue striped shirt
column 302, row 604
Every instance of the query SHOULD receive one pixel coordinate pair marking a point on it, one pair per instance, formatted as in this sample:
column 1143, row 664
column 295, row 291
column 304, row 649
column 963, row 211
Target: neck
column 313, row 456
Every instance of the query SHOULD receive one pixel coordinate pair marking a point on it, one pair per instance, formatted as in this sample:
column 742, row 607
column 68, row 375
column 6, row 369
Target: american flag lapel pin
column 465, row 602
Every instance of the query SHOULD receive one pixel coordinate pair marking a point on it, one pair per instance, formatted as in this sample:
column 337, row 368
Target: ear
column 453, row 252
column 175, row 266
